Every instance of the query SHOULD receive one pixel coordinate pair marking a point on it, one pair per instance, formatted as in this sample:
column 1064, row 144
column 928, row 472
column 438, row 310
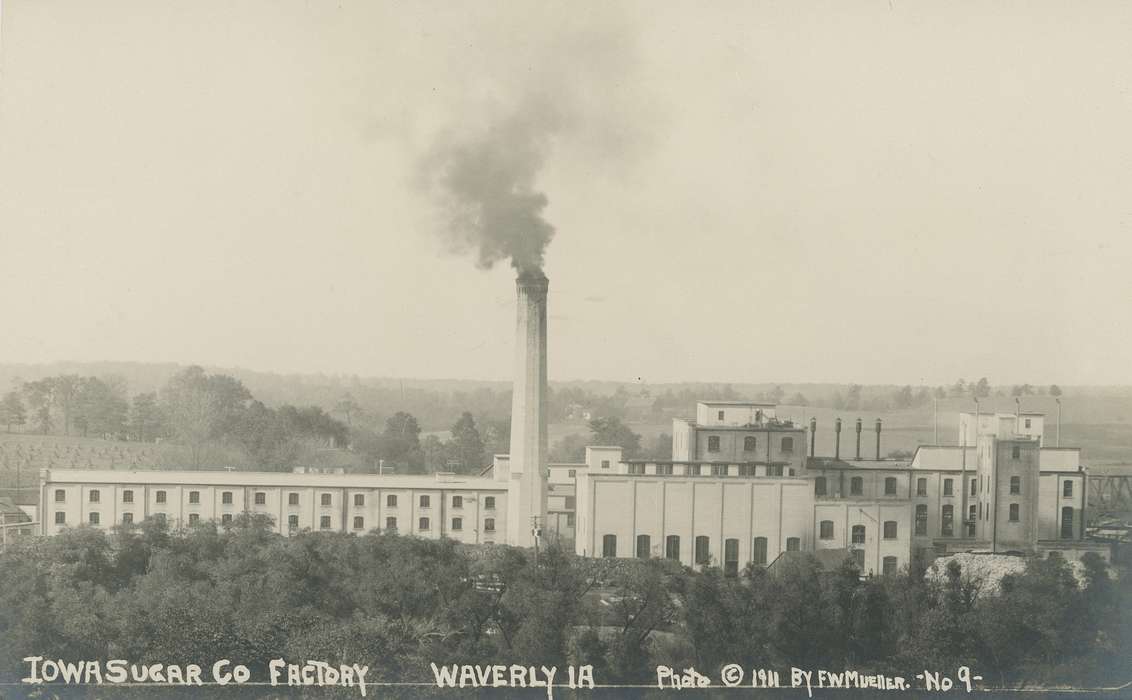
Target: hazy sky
column 884, row 191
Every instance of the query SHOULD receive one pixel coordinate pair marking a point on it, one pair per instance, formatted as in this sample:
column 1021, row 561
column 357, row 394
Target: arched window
column 947, row 521
column 787, row 444
column 672, row 547
column 609, row 546
column 826, row 530
column 644, row 547
column 703, row 550
column 731, row 557
column 750, row 443
column 819, row 486
column 858, row 534
column 890, row 486
column 856, row 486
column 359, row 522
column 758, row 550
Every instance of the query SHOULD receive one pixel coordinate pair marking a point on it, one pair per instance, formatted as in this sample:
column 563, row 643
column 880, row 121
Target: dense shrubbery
column 397, row 603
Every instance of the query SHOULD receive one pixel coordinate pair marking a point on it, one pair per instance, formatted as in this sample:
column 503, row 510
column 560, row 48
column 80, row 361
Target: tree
column 940, row 393
column 347, row 407
column 903, row 397
column 853, row 398
column 981, row 390
column 101, row 407
column 12, row 410
column 39, row 395
column 570, row 448
column 1054, row 390
column 202, row 407
column 467, row 444
column 611, row 431
column 959, row 388
column 776, row 394
column 146, row 422
column 401, row 440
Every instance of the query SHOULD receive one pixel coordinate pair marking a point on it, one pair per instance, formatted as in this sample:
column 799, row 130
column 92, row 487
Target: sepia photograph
column 528, row 349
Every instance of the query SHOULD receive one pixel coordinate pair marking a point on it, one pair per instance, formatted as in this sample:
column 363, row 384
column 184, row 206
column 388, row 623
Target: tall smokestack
column 813, row 435
column 837, row 439
column 858, row 439
column 526, row 504
column 878, row 439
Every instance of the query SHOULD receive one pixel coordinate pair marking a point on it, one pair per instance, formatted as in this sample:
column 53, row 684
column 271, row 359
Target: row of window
column 260, row 497
column 423, row 524
column 702, row 548
column 750, row 444
column 825, row 531
column 663, row 469
column 856, row 486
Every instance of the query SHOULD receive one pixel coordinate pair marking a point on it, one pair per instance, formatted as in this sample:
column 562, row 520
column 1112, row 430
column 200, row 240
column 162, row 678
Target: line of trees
column 148, row 595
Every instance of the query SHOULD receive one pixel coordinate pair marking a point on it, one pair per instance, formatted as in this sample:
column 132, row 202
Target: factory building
column 467, row 509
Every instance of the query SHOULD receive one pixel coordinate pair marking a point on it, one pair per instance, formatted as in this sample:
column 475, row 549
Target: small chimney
column 813, row 434
column 837, row 439
column 858, row 439
column 878, row 439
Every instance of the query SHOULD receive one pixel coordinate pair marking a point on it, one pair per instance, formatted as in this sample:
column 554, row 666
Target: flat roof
column 736, row 403
column 268, row 479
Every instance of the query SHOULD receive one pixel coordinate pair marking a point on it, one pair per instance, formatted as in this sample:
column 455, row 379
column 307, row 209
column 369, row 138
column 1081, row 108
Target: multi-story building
column 467, row 509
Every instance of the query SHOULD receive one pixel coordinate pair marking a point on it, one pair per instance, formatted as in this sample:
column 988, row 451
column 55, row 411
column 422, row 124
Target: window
column 787, row 444
column 359, row 522
column 856, row 486
column 793, row 544
column 1067, row 489
column 1014, row 512
column 644, row 547
column 489, row 503
column 260, row 498
column 974, row 482
column 672, row 547
column 324, row 522
column 888, row 565
column 720, row 415
column 60, row 518
column 325, row 499
column 292, row 499
column 605, row 464
column 758, row 550
column 889, row 529
column 127, row 518
column 774, row 470
column 890, row 486
column 359, row 500
column 391, row 501
column 719, row 470
column 160, row 497
column 571, row 473
column 713, row 443
column 94, row 496
column 1067, row 522
column 858, row 534
column 94, row 518
column 457, row 524
column 819, row 486
column 425, row 501
column 225, row 498
column 569, row 520
column 1027, row 422
column 391, row 524
column 489, row 524
column 571, row 502
column 826, row 530
column 293, row 521
column 226, row 519
column 947, row 521
column 609, row 546
column 194, row 518
column 128, row 496
column 921, row 520
column 731, row 557
column 703, row 553
column 921, row 487
column 948, row 485
column 1015, row 485
column 457, row 501
column 1016, row 452
column 859, row 559
column 60, row 496
column 194, row 497
column 750, row 443
column 423, row 524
